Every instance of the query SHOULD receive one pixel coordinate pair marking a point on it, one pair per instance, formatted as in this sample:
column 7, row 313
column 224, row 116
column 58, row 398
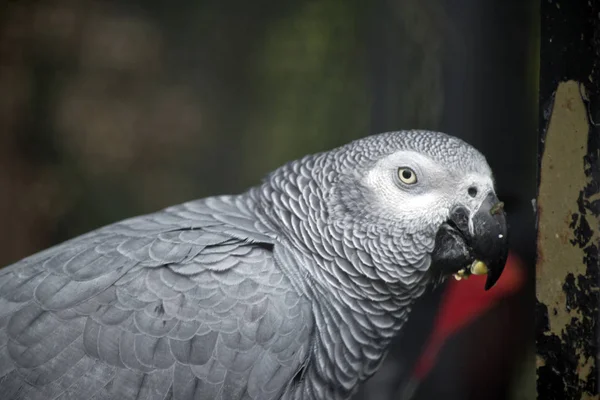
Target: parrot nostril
column 472, row 191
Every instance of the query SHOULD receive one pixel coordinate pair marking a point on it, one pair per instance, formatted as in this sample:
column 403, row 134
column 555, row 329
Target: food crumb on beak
column 476, row 268
column 462, row 274
column 479, row 268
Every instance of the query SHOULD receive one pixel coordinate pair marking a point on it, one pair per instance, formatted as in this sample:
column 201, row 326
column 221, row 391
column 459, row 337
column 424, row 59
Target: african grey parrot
column 291, row 290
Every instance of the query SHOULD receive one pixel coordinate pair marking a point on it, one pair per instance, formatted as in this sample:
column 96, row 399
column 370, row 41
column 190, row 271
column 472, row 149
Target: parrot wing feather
column 185, row 303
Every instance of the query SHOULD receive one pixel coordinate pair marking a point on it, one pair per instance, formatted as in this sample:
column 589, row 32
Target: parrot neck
column 351, row 339
column 355, row 324
column 360, row 297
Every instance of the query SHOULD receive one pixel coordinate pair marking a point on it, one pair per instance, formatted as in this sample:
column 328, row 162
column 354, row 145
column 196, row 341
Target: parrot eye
column 407, row 176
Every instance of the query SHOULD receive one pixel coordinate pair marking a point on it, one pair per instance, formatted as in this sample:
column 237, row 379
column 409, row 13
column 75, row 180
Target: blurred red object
column 463, row 302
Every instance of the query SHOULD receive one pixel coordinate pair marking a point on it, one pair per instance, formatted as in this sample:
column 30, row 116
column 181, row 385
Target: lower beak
column 466, row 240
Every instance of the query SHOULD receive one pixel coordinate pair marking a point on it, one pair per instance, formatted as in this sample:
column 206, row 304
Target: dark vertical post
column 568, row 202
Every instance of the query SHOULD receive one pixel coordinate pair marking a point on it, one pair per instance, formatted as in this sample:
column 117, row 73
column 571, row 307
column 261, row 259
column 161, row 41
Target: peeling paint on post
column 567, row 287
column 568, row 202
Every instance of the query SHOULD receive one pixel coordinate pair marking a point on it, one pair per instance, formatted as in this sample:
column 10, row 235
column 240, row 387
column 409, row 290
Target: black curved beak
column 458, row 245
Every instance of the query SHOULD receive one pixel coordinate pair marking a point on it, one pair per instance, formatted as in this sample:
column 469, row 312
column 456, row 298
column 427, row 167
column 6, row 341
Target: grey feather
column 153, row 318
column 227, row 297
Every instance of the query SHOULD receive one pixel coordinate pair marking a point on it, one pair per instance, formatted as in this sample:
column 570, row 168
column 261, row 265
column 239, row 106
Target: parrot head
column 430, row 189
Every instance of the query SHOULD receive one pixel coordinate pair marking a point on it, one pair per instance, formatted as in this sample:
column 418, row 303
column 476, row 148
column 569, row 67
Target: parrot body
column 291, row 290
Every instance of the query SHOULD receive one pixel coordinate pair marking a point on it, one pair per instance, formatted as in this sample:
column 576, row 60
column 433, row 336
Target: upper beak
column 484, row 238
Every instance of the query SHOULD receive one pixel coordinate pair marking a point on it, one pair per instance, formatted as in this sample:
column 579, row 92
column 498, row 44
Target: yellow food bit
column 462, row 274
column 479, row 268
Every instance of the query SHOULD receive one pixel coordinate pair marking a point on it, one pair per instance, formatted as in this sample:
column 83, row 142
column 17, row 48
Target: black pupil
column 472, row 191
column 406, row 174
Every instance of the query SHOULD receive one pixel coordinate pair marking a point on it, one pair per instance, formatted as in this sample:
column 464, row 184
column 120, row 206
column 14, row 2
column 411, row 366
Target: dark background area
column 110, row 109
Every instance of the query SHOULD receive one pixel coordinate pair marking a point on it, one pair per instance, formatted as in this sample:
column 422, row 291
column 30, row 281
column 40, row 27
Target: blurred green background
column 110, row 109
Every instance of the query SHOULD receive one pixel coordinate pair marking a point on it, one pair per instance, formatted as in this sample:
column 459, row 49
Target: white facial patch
column 437, row 189
column 418, row 201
